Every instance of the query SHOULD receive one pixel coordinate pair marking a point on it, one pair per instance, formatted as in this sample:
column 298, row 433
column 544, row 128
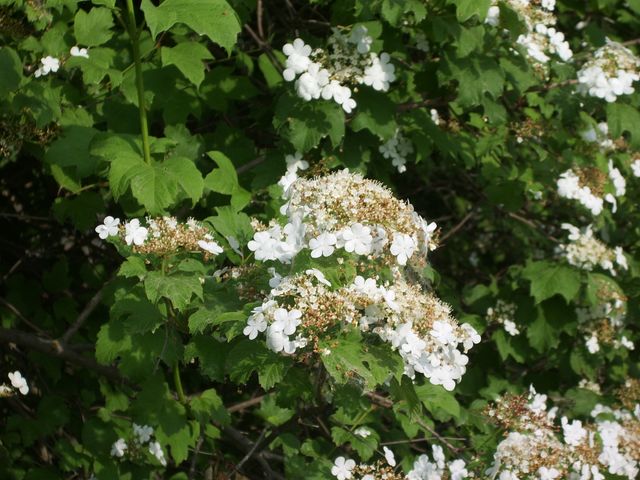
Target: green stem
column 135, row 42
column 178, row 382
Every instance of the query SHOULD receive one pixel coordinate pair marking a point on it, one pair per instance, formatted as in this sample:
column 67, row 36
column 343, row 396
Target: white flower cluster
column 588, row 185
column 542, row 38
column 377, row 232
column 18, row 384
column 583, row 451
column 587, row 252
column 425, row 469
column 604, row 322
column 161, row 235
column 504, row 313
column 139, row 445
column 347, row 469
column 51, row 64
column 610, row 73
column 397, row 148
column 331, row 73
column 344, row 211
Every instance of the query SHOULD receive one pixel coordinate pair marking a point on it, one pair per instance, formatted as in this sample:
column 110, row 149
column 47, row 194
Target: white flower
column 574, row 433
column 109, row 227
column 357, row 238
column 363, row 432
column 277, row 340
column 458, row 470
column 19, row 382
column 319, row 276
column 309, row 84
column 402, row 247
column 295, row 162
column 298, row 58
column 380, row 73
column 493, row 16
column 511, row 328
column 256, row 323
column 79, row 52
column 322, row 245
column 118, row 448
column 49, row 64
column 389, row 456
column 619, row 183
column 444, row 333
column 548, row 473
column 134, row 233
column 635, row 167
column 210, row 246
column 264, row 246
column 342, row 468
column 360, row 38
column 592, row 344
column 286, row 321
column 156, row 450
column 142, row 433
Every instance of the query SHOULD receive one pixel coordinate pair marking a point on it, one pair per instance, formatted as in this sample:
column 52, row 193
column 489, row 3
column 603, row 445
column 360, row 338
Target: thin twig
column 56, row 349
column 24, row 319
column 250, row 452
column 246, row 404
column 259, row 19
column 84, row 315
column 460, row 224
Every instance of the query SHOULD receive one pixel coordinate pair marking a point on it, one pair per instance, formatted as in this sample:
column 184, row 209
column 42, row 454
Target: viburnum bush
column 335, row 239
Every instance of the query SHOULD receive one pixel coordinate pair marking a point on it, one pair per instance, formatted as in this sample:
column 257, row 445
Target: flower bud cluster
column 141, row 444
column 504, row 313
column 533, row 448
column 18, row 384
column 397, row 148
column 587, row 252
column 603, row 323
column 591, row 187
column 610, row 73
column 161, row 236
column 332, row 73
column 542, row 39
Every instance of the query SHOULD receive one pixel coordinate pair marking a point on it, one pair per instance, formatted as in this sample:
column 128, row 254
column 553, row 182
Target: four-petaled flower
column 389, row 456
column 286, row 321
column 49, row 64
column 79, row 52
column 322, row 245
column 118, row 448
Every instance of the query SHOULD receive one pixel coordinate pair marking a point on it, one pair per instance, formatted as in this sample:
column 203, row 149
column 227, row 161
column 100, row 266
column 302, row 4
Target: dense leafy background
column 99, row 340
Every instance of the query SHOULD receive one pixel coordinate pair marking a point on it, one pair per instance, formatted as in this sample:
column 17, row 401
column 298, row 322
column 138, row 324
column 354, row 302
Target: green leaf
column 138, row 314
column 133, row 266
column 305, row 124
column 186, row 175
column 365, row 447
column 72, row 150
column 622, row 117
column 437, row 400
column 225, row 180
column 208, row 406
column 376, row 113
column 551, row 278
column 272, row 413
column 11, row 68
column 187, row 57
column 465, row 9
column 94, row 27
column 249, row 356
column 213, row 18
column 177, row 288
